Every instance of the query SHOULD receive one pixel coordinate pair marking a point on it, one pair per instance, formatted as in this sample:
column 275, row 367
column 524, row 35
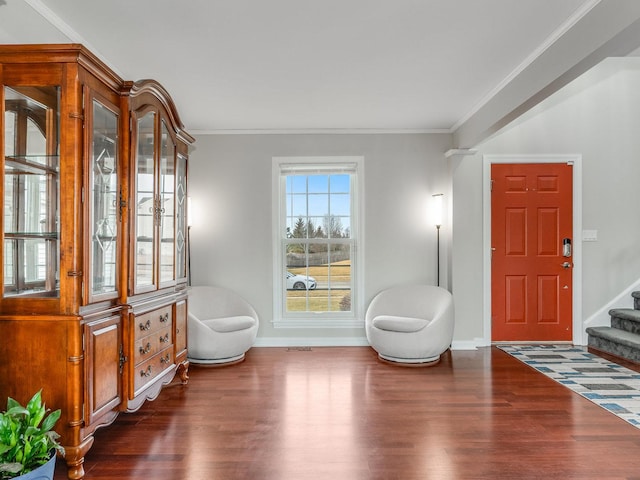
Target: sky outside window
column 315, row 197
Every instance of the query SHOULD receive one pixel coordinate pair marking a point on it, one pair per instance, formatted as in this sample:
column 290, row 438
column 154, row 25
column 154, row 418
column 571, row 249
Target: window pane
column 318, row 183
column 340, row 183
column 332, row 226
column 340, row 204
column 297, row 205
column 319, row 203
column 306, row 265
column 314, row 227
column 339, row 277
column 297, row 183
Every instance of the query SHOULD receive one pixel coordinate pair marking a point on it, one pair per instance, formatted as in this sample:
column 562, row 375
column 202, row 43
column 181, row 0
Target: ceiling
column 312, row 65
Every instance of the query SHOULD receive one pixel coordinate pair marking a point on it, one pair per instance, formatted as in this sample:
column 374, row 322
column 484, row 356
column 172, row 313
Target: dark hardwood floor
column 340, row 414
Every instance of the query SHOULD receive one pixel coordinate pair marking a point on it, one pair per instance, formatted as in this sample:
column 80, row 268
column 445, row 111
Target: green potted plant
column 28, row 444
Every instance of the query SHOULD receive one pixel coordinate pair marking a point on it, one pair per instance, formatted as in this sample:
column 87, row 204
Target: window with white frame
column 317, row 241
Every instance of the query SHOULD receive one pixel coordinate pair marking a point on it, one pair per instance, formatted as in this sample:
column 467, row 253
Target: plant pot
column 43, row 472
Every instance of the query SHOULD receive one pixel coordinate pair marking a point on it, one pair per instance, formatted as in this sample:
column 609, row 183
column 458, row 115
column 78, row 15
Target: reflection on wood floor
column 340, row 414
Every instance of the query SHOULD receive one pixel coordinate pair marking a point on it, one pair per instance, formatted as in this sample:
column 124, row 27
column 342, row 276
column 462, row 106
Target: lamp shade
column 437, row 211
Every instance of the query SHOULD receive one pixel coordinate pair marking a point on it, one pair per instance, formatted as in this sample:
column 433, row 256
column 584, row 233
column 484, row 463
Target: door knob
column 566, row 265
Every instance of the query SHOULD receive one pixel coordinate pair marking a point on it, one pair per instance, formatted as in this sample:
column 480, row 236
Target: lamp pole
column 437, row 217
column 438, row 252
column 189, row 255
column 189, row 223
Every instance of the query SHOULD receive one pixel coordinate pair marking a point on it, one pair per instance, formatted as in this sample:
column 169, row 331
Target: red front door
column 531, row 269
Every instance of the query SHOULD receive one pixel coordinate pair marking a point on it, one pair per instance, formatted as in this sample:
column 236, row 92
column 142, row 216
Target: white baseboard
column 311, row 342
column 467, row 344
column 345, row 342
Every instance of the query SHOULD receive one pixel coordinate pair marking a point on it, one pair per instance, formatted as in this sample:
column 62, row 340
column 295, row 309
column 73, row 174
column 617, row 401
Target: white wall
column 230, row 187
column 467, row 248
column 598, row 117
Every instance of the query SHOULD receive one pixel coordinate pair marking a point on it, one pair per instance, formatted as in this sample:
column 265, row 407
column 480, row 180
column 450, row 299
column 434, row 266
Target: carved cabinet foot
column 74, row 457
column 183, row 372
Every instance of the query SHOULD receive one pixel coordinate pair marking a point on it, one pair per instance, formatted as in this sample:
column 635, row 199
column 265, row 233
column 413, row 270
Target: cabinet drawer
column 150, row 322
column 147, row 371
column 148, row 346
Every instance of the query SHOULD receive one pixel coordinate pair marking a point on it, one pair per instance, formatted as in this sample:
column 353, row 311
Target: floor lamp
column 189, row 223
column 437, row 220
column 189, row 256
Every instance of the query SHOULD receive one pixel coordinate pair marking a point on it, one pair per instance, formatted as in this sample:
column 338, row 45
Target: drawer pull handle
column 145, row 326
column 165, row 338
column 146, row 349
column 146, row 373
column 165, row 359
column 164, row 318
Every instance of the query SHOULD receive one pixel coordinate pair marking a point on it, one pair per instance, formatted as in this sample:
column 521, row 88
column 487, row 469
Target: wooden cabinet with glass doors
column 157, row 245
column 94, row 319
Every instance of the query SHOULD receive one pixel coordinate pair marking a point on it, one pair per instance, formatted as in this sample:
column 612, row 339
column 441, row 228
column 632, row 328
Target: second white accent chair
column 411, row 324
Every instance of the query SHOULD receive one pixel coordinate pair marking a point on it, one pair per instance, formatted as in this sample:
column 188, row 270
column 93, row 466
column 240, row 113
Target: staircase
column 622, row 338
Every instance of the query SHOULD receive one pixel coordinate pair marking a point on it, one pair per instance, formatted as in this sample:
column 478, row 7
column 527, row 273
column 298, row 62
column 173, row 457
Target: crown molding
column 64, row 28
column 325, row 131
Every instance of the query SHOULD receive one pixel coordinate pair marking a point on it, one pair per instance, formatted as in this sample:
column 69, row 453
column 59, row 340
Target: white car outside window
column 300, row 282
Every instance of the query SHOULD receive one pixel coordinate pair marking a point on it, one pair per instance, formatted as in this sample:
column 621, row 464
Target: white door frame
column 578, row 334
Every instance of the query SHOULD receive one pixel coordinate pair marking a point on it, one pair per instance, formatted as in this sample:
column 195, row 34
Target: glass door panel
column 166, row 207
column 31, row 191
column 181, row 217
column 145, row 201
column 105, row 200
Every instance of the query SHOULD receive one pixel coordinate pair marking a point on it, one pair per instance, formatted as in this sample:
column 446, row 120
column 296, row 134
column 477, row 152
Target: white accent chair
column 411, row 324
column 222, row 326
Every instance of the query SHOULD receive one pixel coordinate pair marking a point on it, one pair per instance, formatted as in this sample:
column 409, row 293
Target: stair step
column 620, row 343
column 625, row 319
column 628, row 313
column 636, row 300
column 621, row 336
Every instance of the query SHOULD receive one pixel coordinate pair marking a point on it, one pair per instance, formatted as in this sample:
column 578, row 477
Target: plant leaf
column 50, row 421
column 17, row 410
column 35, row 403
column 36, row 409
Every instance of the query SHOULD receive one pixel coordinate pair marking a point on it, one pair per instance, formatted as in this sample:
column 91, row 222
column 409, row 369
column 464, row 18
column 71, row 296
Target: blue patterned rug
column 611, row 386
